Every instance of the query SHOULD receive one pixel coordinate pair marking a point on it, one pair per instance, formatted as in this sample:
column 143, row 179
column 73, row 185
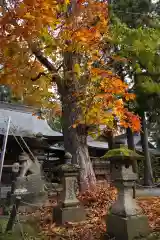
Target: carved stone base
column 127, row 228
column 68, row 214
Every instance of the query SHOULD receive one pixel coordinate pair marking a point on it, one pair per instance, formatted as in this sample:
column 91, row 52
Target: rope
column 22, row 140
column 16, row 139
column 27, row 147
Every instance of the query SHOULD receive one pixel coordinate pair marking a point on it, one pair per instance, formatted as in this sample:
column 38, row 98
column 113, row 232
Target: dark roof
column 104, row 145
column 23, row 123
column 96, row 144
column 137, row 138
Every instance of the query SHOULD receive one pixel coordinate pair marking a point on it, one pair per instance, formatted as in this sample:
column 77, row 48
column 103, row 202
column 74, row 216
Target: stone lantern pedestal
column 125, row 219
column 69, row 208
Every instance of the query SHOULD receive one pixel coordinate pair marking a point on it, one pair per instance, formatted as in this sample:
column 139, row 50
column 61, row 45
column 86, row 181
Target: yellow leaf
column 29, row 16
column 67, row 2
column 77, row 69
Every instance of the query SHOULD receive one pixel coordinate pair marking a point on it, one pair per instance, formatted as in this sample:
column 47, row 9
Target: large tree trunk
column 148, row 174
column 75, row 141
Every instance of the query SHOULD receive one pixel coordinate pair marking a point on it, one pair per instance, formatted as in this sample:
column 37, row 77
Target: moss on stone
column 122, row 152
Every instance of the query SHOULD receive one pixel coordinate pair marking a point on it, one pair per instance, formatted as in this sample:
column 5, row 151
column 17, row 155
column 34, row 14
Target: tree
column 61, row 41
column 133, row 13
column 139, row 45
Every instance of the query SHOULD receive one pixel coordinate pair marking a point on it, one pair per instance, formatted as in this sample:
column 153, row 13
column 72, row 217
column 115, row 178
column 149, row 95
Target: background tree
column 136, row 35
column 136, row 12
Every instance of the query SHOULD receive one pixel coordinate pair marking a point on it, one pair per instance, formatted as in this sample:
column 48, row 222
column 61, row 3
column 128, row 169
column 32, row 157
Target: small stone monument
column 125, row 219
column 69, row 208
column 28, row 165
column 30, row 187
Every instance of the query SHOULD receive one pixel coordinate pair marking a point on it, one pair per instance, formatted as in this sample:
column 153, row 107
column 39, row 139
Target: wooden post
column 13, row 214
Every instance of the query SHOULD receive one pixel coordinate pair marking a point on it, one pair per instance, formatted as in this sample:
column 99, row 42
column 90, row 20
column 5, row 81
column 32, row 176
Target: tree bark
column 75, row 142
column 148, row 173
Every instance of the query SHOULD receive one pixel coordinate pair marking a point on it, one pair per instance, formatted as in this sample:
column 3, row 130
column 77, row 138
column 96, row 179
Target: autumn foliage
column 36, row 35
column 97, row 205
column 108, row 95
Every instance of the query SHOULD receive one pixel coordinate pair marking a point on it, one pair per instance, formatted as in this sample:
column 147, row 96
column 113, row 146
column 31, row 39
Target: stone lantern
column 125, row 219
column 69, row 208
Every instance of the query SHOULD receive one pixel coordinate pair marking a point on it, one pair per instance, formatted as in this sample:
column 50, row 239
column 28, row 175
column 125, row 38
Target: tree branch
column 59, row 67
column 46, row 63
column 39, row 55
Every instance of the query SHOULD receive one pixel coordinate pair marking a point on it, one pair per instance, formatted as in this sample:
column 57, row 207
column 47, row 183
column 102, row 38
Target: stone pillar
column 125, row 219
column 69, row 208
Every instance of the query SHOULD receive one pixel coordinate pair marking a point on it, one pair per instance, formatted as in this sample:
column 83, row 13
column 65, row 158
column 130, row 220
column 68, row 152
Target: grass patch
column 27, row 230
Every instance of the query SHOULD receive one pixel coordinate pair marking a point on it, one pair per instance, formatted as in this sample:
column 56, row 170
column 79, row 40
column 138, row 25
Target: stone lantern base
column 61, row 215
column 69, row 208
column 127, row 228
